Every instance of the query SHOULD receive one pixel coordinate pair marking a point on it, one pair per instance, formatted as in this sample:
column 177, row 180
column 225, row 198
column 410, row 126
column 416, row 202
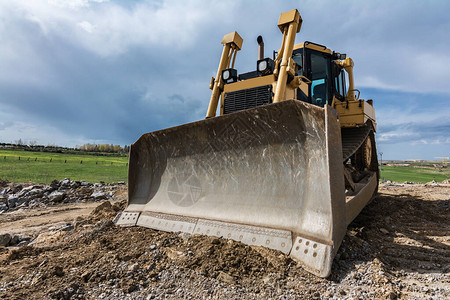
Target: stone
column 58, row 271
column 133, row 267
column 17, row 188
column 382, row 230
column 5, row 191
column 86, row 275
column 12, row 200
column 37, row 193
column 25, row 191
column 65, row 182
column 54, row 184
column 98, row 195
column 56, row 196
column 14, row 240
column 75, row 184
column 67, row 227
column 5, row 239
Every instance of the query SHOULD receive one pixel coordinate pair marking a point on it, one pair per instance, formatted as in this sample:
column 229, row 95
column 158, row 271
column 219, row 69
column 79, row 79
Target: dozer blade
column 270, row 176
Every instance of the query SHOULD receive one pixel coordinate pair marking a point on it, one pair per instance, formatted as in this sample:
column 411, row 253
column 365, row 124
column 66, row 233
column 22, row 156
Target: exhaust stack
column 260, row 41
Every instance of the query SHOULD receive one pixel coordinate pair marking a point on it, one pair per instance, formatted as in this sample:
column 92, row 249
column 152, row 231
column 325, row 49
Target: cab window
column 319, row 76
column 339, row 85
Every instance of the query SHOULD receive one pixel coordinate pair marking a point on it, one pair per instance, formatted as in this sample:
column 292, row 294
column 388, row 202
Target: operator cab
column 315, row 62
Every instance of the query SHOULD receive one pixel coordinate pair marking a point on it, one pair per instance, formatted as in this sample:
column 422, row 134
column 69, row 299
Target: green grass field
column 402, row 174
column 43, row 167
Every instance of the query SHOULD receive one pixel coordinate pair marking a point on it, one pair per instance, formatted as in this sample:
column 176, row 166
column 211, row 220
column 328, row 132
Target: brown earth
column 398, row 247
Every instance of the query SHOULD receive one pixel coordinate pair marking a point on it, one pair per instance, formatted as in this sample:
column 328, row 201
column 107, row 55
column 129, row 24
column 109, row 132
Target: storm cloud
column 73, row 72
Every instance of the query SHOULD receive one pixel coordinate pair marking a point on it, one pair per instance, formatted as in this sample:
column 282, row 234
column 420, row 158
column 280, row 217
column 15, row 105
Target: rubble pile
column 15, row 196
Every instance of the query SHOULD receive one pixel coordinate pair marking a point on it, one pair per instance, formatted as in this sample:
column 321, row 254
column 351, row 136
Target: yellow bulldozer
column 288, row 164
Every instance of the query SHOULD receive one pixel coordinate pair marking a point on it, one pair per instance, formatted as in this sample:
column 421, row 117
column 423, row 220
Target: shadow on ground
column 404, row 232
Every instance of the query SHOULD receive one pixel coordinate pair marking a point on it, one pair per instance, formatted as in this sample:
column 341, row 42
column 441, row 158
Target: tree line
column 91, row 148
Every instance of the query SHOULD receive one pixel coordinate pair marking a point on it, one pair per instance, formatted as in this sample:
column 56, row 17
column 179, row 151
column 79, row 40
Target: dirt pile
column 398, row 247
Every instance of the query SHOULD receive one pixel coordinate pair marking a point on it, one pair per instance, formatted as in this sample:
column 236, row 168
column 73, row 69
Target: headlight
column 262, row 66
column 226, row 75
column 229, row 75
column 265, row 66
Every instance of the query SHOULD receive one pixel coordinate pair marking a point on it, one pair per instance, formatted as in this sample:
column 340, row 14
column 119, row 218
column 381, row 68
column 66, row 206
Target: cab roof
column 314, row 46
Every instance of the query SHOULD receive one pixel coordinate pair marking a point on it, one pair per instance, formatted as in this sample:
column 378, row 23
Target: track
column 352, row 139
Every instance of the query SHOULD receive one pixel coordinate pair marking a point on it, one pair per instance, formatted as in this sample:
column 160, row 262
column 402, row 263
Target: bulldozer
column 287, row 164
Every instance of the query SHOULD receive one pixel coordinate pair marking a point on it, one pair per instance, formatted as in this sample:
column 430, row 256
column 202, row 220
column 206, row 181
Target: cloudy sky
column 93, row 71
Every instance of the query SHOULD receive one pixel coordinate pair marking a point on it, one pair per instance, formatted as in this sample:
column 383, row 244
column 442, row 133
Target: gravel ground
column 398, row 247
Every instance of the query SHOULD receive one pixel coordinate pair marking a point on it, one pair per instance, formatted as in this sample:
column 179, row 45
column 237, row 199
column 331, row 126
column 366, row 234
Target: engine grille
column 249, row 98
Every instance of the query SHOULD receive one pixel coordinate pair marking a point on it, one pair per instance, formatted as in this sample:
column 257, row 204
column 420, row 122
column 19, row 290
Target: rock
column 133, row 267
column 21, row 202
column 5, row 191
column 12, row 201
column 65, row 182
column 56, row 196
column 86, row 275
column 98, row 195
column 32, row 203
column 25, row 190
column 58, row 271
column 37, row 193
column 5, row 239
column 75, row 184
column 14, row 240
column 390, row 295
column 54, row 184
column 67, row 227
column 382, row 230
column 225, row 277
column 17, row 188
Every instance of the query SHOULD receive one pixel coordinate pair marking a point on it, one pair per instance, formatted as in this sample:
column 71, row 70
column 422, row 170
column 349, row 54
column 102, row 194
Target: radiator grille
column 249, row 98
